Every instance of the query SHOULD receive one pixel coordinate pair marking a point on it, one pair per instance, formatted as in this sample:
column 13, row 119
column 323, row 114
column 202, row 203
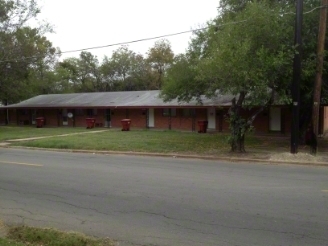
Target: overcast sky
column 83, row 23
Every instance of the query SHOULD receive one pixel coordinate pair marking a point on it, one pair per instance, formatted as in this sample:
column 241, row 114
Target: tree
column 126, row 70
column 82, row 74
column 89, row 74
column 107, row 69
column 247, row 54
column 67, row 73
column 25, row 54
column 160, row 57
column 121, row 61
column 141, row 73
column 309, row 46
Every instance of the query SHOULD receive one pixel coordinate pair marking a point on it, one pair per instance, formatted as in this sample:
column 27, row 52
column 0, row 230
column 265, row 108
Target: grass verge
column 15, row 132
column 23, row 235
column 142, row 141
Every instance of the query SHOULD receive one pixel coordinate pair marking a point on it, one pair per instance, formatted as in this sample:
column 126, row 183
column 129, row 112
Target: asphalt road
column 165, row 201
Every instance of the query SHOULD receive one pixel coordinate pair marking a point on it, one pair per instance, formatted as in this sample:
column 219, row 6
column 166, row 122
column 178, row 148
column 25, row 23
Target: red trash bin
column 126, row 124
column 39, row 122
column 90, row 122
column 202, row 126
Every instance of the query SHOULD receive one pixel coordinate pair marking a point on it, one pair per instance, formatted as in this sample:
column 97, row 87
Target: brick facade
column 3, row 116
column 180, row 119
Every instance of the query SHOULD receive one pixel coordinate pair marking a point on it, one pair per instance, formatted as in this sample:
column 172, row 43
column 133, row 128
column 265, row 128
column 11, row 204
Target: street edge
column 180, row 156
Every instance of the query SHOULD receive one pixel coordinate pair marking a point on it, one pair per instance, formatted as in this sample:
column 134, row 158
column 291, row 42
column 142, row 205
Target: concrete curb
column 172, row 155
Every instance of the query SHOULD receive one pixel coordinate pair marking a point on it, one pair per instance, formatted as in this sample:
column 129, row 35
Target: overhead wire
column 123, row 43
column 140, row 40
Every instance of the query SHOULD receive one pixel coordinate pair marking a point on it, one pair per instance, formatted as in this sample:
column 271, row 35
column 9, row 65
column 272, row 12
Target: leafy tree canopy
column 247, row 52
column 25, row 54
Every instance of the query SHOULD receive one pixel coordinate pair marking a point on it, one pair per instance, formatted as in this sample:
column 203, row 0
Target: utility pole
column 296, row 79
column 318, row 78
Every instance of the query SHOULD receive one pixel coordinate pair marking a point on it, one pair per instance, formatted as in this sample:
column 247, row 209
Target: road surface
column 165, row 201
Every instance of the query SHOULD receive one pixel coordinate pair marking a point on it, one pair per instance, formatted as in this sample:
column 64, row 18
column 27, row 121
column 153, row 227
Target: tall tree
column 89, row 73
column 160, row 56
column 126, row 70
column 241, row 55
column 23, row 50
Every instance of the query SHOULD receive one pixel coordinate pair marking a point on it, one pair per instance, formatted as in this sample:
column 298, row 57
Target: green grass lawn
column 142, row 141
column 15, row 132
column 23, row 235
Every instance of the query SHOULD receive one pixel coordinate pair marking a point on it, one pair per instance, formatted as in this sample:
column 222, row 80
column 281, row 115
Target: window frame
column 169, row 112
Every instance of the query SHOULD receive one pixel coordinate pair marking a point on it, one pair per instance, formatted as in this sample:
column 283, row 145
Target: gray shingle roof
column 123, row 99
column 115, row 99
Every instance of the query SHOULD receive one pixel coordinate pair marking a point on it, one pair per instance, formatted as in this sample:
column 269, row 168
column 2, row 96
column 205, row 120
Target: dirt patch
column 3, row 230
column 299, row 157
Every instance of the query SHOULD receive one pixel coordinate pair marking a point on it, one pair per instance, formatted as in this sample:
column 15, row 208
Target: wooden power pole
column 318, row 78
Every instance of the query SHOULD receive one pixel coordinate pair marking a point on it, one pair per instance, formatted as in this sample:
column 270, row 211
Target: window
column 188, row 112
column 170, row 112
column 23, row 112
column 79, row 112
column 91, row 112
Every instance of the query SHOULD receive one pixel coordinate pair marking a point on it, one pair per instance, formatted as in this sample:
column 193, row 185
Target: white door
column 275, row 119
column 211, row 118
column 151, row 118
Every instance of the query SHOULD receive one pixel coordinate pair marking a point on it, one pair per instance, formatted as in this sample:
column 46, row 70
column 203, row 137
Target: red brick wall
column 221, row 120
column 138, row 118
column 116, row 116
column 21, row 118
column 261, row 123
column 3, row 114
column 80, row 116
column 12, row 116
column 286, row 120
column 80, row 119
column 179, row 121
column 161, row 122
column 50, row 115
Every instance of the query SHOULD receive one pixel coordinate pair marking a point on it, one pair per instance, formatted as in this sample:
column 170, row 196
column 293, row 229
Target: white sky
column 83, row 23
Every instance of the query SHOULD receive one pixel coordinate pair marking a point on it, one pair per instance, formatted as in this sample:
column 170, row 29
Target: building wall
column 117, row 115
column 2, row 116
column 181, row 120
column 138, row 117
column 286, row 119
column 50, row 115
column 261, row 123
column 13, row 116
column 222, row 124
column 23, row 117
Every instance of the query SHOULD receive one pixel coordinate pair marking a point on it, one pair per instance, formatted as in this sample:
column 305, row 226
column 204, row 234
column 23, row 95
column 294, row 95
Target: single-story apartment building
column 145, row 109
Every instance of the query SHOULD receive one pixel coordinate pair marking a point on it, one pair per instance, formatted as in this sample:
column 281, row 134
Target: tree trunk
column 237, row 140
column 240, row 126
column 237, row 126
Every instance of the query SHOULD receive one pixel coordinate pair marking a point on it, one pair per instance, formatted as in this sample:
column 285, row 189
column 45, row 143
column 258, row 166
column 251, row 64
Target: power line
column 123, row 43
column 147, row 39
column 310, row 11
column 143, row 39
